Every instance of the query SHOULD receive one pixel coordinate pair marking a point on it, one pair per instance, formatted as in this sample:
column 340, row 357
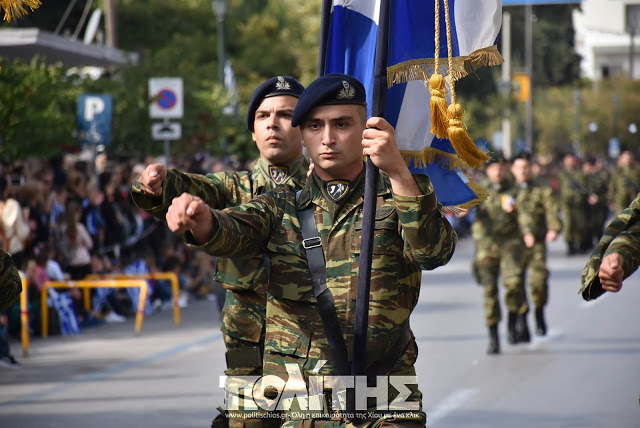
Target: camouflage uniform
column 244, row 311
column 624, row 185
column 541, row 213
column 10, row 282
column 596, row 184
column 621, row 236
column 573, row 200
column 411, row 234
column 499, row 250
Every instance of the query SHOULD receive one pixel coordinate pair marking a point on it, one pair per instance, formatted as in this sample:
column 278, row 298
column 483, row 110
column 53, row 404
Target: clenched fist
column 152, row 178
column 189, row 213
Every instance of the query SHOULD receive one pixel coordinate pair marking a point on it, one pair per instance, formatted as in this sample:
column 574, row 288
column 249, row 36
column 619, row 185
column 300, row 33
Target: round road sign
column 167, row 99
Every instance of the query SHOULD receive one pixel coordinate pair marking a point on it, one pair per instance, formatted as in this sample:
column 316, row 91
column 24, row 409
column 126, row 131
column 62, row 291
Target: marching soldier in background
column 625, row 182
column 537, row 204
column 411, row 235
column 280, row 162
column 597, row 207
column 616, row 256
column 573, row 200
column 500, row 251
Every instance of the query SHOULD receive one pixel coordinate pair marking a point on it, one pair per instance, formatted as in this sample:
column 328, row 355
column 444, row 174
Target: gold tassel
column 438, row 104
column 14, row 8
column 461, row 141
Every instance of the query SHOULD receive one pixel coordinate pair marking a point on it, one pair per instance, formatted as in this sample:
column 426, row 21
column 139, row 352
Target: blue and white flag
column 350, row 49
column 62, row 303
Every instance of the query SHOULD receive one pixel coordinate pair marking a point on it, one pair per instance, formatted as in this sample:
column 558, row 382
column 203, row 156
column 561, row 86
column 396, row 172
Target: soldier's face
column 333, row 137
column 278, row 142
column 496, row 173
column 521, row 170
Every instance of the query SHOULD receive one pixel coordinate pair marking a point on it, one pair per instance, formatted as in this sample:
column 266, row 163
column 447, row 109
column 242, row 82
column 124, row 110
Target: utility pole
column 506, row 84
column 110, row 21
column 528, row 51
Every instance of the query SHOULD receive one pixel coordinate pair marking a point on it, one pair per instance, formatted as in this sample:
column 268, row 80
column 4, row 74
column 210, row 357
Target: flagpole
column 324, row 34
column 359, row 361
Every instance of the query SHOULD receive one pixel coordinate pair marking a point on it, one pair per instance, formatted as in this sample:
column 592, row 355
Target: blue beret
column 330, row 89
column 274, row 87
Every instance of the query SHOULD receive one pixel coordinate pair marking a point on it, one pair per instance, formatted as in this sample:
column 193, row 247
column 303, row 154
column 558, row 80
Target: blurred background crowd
column 70, row 216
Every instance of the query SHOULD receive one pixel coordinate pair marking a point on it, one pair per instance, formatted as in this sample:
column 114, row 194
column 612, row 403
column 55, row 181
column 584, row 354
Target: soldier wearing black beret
column 281, row 162
column 313, row 239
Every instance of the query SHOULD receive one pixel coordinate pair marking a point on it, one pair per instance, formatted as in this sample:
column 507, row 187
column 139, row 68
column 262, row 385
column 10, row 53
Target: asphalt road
column 585, row 373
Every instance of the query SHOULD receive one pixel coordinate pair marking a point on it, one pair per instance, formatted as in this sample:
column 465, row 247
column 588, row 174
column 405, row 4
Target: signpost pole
column 167, row 148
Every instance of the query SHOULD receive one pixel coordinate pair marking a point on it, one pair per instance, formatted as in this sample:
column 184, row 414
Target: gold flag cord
column 15, row 8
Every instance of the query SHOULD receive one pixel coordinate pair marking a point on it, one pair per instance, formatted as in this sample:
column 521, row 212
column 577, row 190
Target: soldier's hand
column 311, row 167
column 552, row 235
column 611, row 273
column 152, row 178
column 379, row 143
column 189, row 213
column 529, row 239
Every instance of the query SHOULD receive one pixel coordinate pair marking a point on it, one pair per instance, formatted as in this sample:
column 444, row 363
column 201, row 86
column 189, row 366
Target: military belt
column 317, row 268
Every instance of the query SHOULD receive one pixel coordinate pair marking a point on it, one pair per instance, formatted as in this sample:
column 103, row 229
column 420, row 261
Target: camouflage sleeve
column 526, row 221
column 551, row 210
column 591, row 287
column 627, row 244
column 208, row 187
column 10, row 282
column 244, row 230
column 429, row 239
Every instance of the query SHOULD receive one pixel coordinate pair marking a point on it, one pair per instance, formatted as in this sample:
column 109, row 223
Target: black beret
column 330, row 89
column 499, row 159
column 274, row 87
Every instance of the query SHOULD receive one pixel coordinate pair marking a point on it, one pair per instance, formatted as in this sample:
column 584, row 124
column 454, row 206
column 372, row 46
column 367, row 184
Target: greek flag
column 62, row 303
column 350, row 49
column 138, row 267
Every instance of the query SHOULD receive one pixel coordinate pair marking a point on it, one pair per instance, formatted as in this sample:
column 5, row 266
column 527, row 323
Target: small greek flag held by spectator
column 62, row 303
column 138, row 267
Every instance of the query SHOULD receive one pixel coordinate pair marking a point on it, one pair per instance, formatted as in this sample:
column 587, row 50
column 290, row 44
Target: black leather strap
column 317, row 267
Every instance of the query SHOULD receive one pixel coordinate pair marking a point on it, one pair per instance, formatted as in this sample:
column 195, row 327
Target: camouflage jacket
column 624, row 185
column 573, row 190
column 221, row 190
column 411, row 234
column 621, row 236
column 10, row 281
column 492, row 222
column 539, row 210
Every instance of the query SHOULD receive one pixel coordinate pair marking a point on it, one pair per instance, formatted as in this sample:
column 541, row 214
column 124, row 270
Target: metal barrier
column 120, row 283
column 175, row 290
column 24, row 316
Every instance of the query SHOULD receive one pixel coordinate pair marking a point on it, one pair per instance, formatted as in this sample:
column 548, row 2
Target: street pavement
column 584, row 373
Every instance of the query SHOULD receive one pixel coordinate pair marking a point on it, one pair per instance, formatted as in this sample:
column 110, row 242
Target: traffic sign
column 166, row 131
column 166, row 98
column 94, row 119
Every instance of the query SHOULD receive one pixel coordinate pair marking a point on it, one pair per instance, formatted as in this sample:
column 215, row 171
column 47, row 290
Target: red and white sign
column 166, row 98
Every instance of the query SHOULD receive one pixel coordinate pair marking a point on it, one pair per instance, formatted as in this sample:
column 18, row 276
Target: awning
column 28, row 42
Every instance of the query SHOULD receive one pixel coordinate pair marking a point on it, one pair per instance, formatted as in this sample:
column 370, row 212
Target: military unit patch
column 337, row 189
column 278, row 174
column 282, row 85
column 347, row 92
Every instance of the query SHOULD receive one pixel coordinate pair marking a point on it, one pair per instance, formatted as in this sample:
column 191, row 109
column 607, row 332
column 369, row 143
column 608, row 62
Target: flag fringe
column 14, row 8
column 420, row 69
column 429, row 156
column 481, row 195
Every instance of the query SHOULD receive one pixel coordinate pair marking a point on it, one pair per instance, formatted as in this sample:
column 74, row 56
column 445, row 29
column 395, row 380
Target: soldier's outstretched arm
column 189, row 213
column 158, row 186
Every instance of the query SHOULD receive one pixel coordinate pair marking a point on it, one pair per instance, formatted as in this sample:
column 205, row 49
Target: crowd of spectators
column 72, row 216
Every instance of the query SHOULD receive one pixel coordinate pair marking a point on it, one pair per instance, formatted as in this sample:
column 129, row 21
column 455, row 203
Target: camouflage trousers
column 574, row 223
column 506, row 259
column 243, row 333
column 537, row 273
